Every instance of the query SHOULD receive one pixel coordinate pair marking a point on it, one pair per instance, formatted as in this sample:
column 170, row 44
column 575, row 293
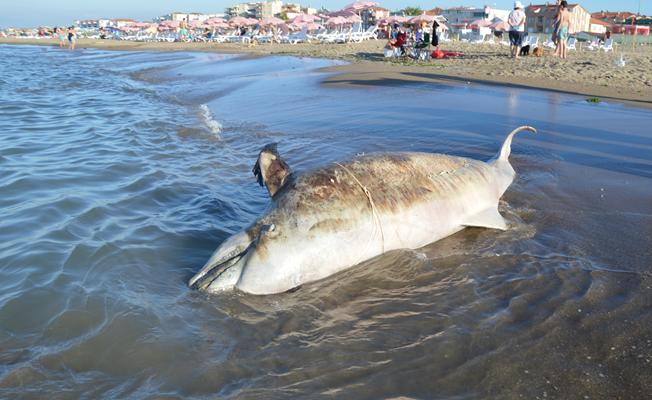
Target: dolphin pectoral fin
column 489, row 218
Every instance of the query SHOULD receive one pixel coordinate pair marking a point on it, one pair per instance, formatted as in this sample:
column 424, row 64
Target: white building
column 188, row 16
column 460, row 17
column 93, row 23
column 247, row 10
column 268, row 8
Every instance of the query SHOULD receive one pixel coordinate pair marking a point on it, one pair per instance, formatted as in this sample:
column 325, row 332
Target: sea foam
column 207, row 118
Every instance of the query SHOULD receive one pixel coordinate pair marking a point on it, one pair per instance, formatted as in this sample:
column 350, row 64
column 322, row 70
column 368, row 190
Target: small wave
column 207, row 118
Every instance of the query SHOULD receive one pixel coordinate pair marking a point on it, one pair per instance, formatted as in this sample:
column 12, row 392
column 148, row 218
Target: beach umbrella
column 304, row 18
column 238, row 21
column 398, row 19
column 422, row 18
column 196, row 24
column 168, row 24
column 252, row 21
column 500, row 26
column 271, row 21
column 313, row 26
column 337, row 21
column 214, row 20
column 360, row 5
column 480, row 23
column 353, row 19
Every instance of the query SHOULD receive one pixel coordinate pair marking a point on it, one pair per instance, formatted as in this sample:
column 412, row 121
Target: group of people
column 561, row 24
column 423, row 36
column 66, row 35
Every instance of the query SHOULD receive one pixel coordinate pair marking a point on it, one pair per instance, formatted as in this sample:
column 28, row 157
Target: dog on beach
column 525, row 51
column 537, row 52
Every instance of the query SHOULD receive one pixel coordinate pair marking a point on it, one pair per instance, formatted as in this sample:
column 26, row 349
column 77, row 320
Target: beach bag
column 388, row 52
column 437, row 54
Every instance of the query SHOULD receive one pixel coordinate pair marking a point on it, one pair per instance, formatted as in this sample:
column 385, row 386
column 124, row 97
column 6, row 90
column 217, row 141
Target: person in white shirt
column 516, row 22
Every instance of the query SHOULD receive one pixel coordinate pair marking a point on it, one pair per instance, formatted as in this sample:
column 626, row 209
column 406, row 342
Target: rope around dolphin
column 374, row 210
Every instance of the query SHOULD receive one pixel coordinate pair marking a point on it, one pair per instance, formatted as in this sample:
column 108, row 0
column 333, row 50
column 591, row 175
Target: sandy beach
column 586, row 73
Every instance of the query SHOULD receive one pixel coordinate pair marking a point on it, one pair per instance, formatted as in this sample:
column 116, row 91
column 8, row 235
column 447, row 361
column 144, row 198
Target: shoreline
column 586, row 74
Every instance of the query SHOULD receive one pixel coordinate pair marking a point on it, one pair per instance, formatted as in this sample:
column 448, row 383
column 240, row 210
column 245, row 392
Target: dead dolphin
column 339, row 215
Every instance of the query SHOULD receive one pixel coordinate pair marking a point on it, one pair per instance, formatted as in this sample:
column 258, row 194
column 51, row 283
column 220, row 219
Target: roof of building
column 613, row 14
column 123, row 20
column 596, row 21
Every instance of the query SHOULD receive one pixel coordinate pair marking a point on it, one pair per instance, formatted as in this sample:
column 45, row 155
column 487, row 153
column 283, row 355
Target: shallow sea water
column 120, row 173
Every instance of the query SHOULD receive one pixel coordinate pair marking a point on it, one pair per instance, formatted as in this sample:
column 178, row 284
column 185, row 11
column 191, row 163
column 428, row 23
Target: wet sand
column 586, row 73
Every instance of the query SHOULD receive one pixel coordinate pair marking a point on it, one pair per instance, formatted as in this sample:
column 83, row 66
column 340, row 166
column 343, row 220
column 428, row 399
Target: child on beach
column 62, row 37
column 564, row 24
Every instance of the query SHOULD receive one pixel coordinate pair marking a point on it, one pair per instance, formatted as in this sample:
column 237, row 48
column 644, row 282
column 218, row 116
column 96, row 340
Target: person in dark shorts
column 516, row 22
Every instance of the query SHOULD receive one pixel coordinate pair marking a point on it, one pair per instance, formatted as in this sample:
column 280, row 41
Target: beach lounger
column 594, row 45
column 570, row 44
column 550, row 44
column 608, row 45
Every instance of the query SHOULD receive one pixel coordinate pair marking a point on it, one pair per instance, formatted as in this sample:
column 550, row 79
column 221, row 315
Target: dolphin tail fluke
column 507, row 144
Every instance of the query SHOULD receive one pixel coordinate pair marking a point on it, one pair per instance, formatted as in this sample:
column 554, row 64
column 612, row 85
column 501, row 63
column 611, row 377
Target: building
column 461, row 17
column 121, row 22
column 93, row 23
column 614, row 17
column 435, row 11
column 268, row 9
column 599, row 27
column 370, row 16
column 188, row 16
column 247, row 10
column 640, row 30
column 540, row 18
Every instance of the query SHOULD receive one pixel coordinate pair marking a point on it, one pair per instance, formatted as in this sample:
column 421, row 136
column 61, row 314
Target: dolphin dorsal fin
column 270, row 170
column 489, row 218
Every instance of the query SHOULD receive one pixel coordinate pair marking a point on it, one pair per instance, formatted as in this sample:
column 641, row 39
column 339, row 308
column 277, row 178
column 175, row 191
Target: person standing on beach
column 555, row 29
column 516, row 22
column 72, row 37
column 434, row 37
column 62, row 37
column 564, row 24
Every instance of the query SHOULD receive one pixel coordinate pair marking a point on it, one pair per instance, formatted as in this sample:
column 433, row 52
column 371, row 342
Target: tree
column 412, row 11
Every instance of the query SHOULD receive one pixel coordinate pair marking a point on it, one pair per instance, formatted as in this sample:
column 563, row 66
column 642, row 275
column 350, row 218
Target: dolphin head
column 253, row 260
column 256, row 259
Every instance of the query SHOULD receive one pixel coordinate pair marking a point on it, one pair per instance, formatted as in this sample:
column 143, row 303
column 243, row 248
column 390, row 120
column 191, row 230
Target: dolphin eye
column 272, row 227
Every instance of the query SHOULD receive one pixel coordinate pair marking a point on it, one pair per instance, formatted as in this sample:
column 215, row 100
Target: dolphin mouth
column 210, row 273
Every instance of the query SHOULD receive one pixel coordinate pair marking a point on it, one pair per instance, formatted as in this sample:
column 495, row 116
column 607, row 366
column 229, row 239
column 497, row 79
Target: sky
column 29, row 13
